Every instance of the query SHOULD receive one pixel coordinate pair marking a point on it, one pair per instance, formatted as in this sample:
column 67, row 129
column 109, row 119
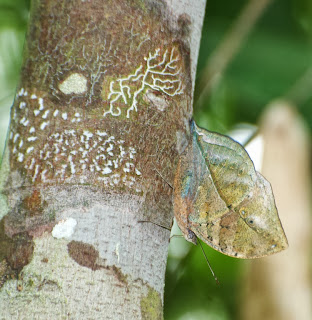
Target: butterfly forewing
column 231, row 168
column 197, row 203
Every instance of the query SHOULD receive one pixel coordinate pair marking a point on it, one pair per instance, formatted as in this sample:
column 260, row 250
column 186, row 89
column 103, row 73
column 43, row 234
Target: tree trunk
column 102, row 108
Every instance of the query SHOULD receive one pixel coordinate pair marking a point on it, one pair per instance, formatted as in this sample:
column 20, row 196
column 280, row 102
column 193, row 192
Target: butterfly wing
column 232, row 170
column 194, row 192
column 226, row 202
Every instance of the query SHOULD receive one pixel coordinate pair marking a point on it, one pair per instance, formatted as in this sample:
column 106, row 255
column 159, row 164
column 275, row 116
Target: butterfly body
column 220, row 198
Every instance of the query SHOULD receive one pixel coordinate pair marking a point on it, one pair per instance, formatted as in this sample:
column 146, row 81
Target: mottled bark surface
column 104, row 102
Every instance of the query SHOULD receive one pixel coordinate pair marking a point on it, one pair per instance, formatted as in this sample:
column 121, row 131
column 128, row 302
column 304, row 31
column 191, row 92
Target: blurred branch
column 229, row 47
column 301, row 91
column 270, row 292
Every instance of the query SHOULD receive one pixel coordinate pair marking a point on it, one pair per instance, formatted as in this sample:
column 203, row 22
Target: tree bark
column 103, row 105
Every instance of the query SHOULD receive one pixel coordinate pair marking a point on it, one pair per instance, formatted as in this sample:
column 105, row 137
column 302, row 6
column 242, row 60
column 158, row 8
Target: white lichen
column 29, row 150
column 71, row 155
column 64, row 229
column 76, row 83
column 20, row 157
column 22, row 105
column 43, row 125
column 160, row 73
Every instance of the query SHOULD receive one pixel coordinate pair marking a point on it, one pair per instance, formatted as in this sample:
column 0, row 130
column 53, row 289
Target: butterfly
column 220, row 198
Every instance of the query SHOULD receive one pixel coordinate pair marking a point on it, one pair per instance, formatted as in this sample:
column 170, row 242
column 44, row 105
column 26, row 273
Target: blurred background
column 254, row 82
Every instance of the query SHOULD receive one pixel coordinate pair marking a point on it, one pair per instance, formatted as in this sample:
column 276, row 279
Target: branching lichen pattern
column 160, row 72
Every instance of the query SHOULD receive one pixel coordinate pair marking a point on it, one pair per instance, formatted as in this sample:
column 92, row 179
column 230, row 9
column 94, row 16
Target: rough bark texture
column 104, row 102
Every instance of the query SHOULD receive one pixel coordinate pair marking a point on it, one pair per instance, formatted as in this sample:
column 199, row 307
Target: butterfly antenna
column 164, row 178
column 155, row 223
column 209, row 265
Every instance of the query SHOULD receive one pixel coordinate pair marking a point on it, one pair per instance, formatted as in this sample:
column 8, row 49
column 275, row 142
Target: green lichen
column 151, row 306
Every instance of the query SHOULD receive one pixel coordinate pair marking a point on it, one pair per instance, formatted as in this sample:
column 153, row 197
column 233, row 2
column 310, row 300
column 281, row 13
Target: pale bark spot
column 74, row 84
column 64, row 229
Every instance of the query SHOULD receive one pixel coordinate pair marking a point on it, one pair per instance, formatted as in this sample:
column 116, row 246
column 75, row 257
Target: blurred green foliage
column 14, row 14
column 274, row 57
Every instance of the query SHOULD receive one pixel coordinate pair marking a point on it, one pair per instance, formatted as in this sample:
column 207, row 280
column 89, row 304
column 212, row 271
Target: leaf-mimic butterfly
column 220, row 198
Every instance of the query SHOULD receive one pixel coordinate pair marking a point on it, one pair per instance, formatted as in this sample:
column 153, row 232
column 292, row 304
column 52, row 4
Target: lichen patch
column 76, row 83
column 64, row 229
column 71, row 155
column 151, row 305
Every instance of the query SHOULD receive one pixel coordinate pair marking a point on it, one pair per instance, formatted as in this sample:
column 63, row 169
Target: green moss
column 151, row 305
